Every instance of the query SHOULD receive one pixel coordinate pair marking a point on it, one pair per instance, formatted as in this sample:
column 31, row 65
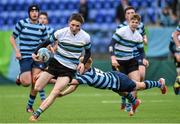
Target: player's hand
column 35, row 57
column 80, row 68
column 18, row 55
column 146, row 62
column 114, row 62
column 60, row 94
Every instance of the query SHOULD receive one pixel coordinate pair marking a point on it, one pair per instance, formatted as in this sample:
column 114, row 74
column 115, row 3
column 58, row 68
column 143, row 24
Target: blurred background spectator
column 84, row 10
column 120, row 11
column 167, row 18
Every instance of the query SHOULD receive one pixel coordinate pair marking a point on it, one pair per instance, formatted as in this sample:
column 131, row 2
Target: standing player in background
column 129, row 11
column 122, row 46
column 143, row 63
column 175, row 49
column 72, row 41
column 43, row 19
column 29, row 33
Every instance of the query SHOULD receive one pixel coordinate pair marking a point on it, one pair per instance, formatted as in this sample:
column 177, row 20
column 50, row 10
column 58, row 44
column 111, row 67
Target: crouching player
column 115, row 81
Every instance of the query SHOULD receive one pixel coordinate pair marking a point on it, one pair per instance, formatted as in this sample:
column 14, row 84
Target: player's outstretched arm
column 73, row 85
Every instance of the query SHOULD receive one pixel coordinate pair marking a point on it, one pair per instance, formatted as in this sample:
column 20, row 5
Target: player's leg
column 37, row 71
column 25, row 70
column 142, row 71
column 129, row 67
column 42, row 81
column 176, row 86
column 148, row 84
column 33, row 93
column 134, row 103
column 26, row 78
column 126, row 87
column 134, row 75
column 64, row 75
column 60, row 84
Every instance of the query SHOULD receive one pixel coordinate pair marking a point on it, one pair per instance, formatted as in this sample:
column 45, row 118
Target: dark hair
column 135, row 17
column 78, row 17
column 33, row 7
column 128, row 8
column 43, row 13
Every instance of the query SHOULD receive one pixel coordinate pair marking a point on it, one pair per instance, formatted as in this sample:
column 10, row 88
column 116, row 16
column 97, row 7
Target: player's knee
column 55, row 92
column 26, row 83
column 37, row 88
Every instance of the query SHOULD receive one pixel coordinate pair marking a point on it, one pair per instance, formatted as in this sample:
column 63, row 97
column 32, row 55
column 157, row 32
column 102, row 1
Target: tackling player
column 115, row 81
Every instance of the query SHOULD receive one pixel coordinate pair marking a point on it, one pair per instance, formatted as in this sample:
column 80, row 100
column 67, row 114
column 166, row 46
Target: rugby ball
column 44, row 54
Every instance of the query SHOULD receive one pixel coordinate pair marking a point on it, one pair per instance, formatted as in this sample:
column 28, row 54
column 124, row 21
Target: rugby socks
column 31, row 101
column 123, row 100
column 151, row 84
column 42, row 95
column 38, row 112
column 131, row 98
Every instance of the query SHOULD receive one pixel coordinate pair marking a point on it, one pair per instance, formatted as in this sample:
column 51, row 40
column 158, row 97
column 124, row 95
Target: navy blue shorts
column 28, row 63
column 126, row 84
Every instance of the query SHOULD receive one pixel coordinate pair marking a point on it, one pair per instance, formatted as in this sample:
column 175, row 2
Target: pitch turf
column 90, row 105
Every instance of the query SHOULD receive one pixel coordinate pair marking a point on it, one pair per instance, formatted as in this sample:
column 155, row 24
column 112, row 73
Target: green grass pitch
column 90, row 105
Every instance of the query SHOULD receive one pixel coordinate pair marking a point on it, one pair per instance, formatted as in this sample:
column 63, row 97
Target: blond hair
column 136, row 17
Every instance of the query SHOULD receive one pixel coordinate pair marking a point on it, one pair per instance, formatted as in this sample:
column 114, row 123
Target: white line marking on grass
column 152, row 101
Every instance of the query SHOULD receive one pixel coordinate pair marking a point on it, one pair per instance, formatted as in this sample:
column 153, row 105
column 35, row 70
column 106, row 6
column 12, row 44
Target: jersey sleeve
column 143, row 30
column 54, row 36
column 45, row 33
column 84, row 79
column 88, row 42
column 118, row 35
column 18, row 28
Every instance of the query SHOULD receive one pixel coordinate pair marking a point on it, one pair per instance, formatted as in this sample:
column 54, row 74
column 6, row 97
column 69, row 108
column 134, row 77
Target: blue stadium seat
column 2, row 21
column 109, row 18
column 61, row 6
column 100, row 18
column 1, row 7
column 51, row 6
column 44, row 6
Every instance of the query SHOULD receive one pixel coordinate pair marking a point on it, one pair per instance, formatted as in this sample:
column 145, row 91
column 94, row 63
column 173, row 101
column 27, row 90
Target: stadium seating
column 101, row 12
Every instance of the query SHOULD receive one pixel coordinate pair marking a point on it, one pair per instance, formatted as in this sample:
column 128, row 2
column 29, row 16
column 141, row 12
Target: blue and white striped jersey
column 50, row 31
column 172, row 43
column 99, row 79
column 70, row 46
column 140, row 27
column 126, row 42
column 29, row 36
